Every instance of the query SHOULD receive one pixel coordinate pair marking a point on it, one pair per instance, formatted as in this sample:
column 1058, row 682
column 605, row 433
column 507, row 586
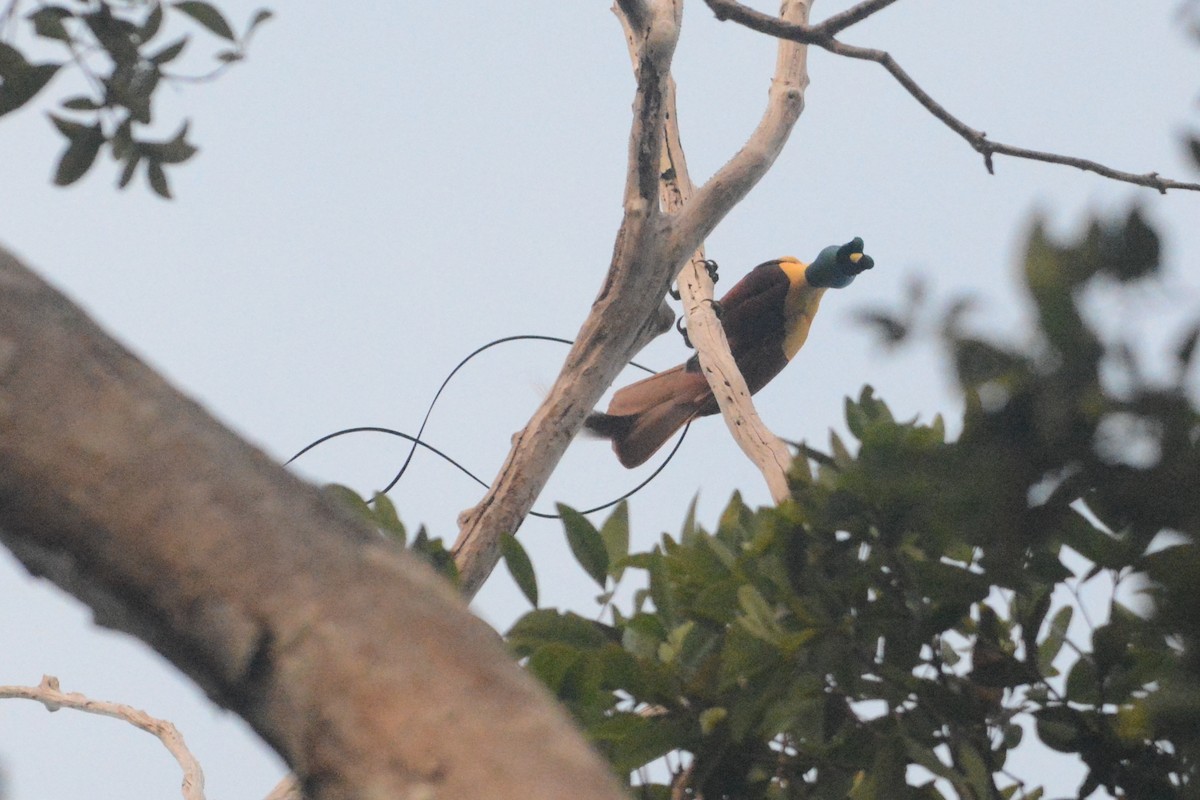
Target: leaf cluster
column 380, row 514
column 895, row 627
column 123, row 51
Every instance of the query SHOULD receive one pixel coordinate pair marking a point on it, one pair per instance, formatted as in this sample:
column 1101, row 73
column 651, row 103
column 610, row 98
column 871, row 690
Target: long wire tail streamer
column 417, row 441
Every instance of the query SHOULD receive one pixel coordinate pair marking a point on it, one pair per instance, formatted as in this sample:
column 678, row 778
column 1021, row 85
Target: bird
column 766, row 317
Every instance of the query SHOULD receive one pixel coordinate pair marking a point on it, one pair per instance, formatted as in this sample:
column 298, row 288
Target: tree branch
column 725, row 189
column 697, row 216
column 649, row 251
column 729, row 388
column 358, row 664
column 48, row 694
column 622, row 319
column 823, row 35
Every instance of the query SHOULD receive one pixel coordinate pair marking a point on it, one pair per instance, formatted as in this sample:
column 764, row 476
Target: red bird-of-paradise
column 766, row 317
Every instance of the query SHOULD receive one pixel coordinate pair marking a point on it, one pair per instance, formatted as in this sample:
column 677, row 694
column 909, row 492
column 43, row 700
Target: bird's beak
column 855, row 258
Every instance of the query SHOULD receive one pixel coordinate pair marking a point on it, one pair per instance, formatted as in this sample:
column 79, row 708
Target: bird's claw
column 683, row 332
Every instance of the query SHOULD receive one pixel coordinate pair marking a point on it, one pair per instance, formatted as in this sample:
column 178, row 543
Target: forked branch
column 650, row 249
column 728, row 386
column 824, row 36
column 623, row 317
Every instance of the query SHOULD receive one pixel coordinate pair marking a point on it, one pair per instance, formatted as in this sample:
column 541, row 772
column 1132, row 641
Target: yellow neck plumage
column 800, row 306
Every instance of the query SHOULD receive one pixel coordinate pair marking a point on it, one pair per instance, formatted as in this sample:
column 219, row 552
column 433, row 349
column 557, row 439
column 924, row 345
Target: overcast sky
column 383, row 187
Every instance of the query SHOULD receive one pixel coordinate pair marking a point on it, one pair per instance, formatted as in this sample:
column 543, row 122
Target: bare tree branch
column 725, row 189
column 650, row 250
column 852, row 16
column 622, row 319
column 48, row 694
column 729, row 388
column 823, row 35
column 357, row 663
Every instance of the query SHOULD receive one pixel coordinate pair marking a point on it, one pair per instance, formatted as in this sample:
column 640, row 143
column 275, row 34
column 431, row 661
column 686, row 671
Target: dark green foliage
column 520, row 567
column 380, row 514
column 897, row 611
column 127, row 60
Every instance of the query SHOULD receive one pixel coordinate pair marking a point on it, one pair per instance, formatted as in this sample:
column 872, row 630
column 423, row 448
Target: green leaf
column 586, row 544
column 434, row 552
column 690, row 530
column 547, row 626
column 520, row 567
column 260, row 16
column 710, row 718
column 856, row 418
column 1099, row 547
column 48, row 23
column 552, row 663
column 229, row 56
column 82, row 103
column 1083, row 683
column 173, row 151
column 208, row 16
column 158, row 179
column 348, row 498
column 631, row 740
column 1049, row 648
column 642, row 635
column 759, row 617
column 841, row 455
column 85, row 143
column 615, row 534
column 1132, row 251
column 978, row 775
column 170, row 52
column 1059, row 728
column 23, row 82
column 152, row 24
column 128, row 170
column 387, row 518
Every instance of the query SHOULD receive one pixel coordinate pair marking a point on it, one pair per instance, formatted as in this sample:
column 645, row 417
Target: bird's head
column 837, row 265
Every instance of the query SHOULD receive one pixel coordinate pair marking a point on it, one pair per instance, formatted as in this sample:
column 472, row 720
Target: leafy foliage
column 380, row 514
column 892, row 630
column 120, row 48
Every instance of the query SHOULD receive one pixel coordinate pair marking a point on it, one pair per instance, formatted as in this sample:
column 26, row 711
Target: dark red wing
column 752, row 312
column 753, row 315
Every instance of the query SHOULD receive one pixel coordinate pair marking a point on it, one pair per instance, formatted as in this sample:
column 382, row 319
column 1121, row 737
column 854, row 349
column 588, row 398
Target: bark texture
column 359, row 665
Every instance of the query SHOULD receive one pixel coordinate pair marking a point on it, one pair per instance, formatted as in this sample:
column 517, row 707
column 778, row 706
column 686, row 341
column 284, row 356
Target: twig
column 48, row 694
column 7, row 14
column 823, row 35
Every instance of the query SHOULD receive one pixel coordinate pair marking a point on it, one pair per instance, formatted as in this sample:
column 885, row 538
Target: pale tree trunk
column 358, row 664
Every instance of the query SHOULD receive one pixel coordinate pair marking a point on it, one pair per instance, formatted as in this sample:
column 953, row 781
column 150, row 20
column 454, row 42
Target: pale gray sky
column 384, row 187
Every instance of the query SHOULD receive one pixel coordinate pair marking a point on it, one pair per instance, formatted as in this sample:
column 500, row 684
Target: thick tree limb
column 823, row 35
column 362, row 668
